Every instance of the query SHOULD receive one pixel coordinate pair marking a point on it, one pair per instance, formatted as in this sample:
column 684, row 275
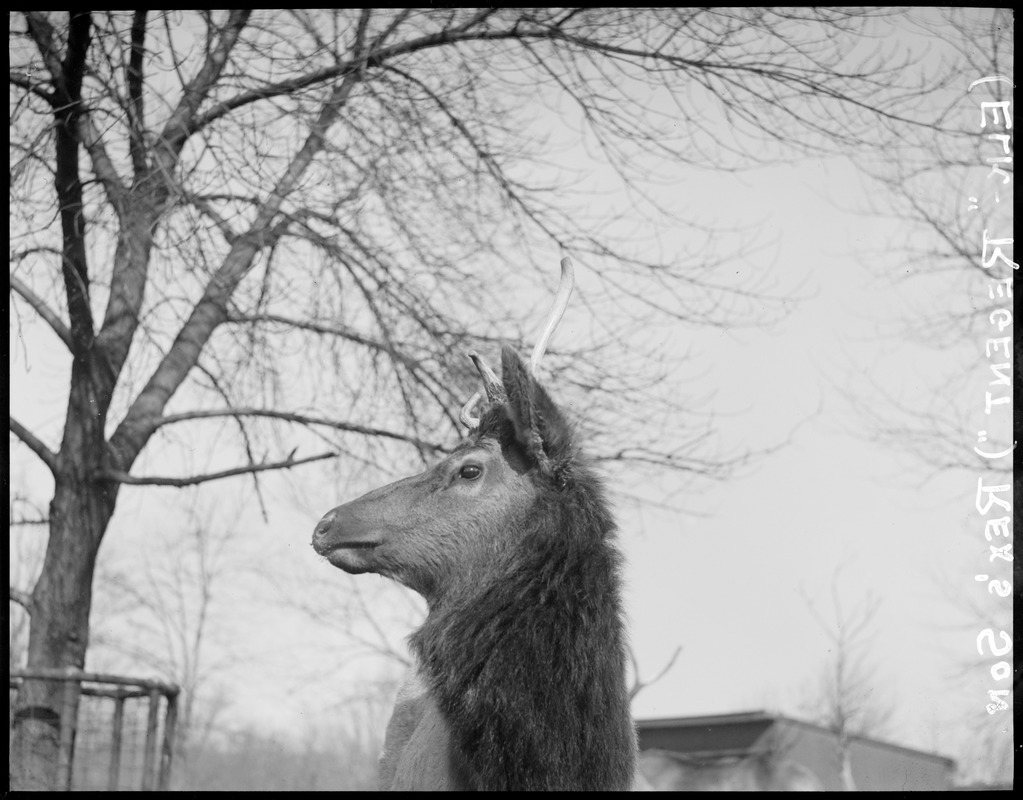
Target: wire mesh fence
column 115, row 733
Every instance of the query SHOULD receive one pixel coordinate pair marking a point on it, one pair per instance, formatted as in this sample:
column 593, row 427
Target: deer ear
column 539, row 425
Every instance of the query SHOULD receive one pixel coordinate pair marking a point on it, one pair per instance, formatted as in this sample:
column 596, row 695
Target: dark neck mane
column 529, row 669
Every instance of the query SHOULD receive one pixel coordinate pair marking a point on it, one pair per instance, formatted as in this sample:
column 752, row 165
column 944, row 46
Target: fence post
column 150, row 751
column 114, row 776
column 68, row 721
column 169, row 727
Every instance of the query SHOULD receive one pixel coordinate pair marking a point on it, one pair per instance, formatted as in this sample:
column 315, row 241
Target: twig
column 124, row 477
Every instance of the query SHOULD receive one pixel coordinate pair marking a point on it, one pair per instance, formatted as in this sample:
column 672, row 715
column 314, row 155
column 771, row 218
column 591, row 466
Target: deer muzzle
column 342, row 545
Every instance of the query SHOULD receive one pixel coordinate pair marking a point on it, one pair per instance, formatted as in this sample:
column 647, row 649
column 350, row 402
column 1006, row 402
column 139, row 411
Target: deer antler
column 491, row 383
column 557, row 312
column 463, row 416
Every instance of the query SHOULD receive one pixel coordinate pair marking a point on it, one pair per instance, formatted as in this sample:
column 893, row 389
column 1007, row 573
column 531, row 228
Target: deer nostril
column 323, row 526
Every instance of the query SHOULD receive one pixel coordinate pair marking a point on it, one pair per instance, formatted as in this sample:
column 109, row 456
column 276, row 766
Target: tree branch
column 102, row 166
column 639, row 685
column 23, row 80
column 211, row 310
column 301, row 419
column 332, row 329
column 42, row 34
column 67, row 86
column 46, row 455
column 43, row 310
column 181, row 122
column 135, row 107
column 124, row 477
column 374, row 58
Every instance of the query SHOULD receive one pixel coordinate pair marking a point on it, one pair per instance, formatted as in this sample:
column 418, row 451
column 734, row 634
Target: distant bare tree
column 361, row 623
column 278, row 221
column 847, row 699
column 952, row 187
column 949, row 184
column 159, row 614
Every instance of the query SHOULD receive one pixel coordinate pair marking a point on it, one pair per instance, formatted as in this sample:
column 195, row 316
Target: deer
column 519, row 677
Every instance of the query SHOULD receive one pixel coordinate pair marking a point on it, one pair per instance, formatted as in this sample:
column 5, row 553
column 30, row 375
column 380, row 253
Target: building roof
column 741, row 733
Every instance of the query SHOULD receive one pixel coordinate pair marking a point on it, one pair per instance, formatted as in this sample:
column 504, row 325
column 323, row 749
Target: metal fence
column 122, row 737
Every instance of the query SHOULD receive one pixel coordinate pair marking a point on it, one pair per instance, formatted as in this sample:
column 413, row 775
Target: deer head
column 445, row 528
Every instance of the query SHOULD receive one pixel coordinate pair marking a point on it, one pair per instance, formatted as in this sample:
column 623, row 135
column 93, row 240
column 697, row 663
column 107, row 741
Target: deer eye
column 470, row 472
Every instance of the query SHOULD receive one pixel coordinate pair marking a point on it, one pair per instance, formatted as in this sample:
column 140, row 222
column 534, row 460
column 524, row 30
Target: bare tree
column 951, row 186
column 847, row 700
column 159, row 613
column 277, row 220
column 365, row 619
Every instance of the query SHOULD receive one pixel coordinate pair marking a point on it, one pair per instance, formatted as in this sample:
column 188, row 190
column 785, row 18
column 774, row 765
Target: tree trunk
column 845, row 761
column 58, row 631
column 62, row 597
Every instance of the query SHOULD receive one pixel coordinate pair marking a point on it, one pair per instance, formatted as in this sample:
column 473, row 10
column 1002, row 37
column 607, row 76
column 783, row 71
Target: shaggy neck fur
column 528, row 669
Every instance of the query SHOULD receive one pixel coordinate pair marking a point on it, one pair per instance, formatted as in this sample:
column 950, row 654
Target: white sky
column 725, row 585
